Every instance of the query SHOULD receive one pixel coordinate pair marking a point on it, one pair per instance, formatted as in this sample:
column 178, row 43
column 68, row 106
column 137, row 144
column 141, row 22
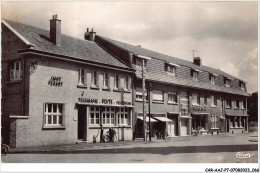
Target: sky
column 224, row 34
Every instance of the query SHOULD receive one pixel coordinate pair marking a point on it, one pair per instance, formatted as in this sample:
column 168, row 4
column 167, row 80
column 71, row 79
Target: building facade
column 185, row 97
column 60, row 90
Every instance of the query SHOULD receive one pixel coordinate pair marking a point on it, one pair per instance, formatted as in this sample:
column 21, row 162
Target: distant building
column 185, row 96
column 60, row 90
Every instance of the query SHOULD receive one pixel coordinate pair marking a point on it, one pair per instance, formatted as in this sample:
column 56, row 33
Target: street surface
column 222, row 148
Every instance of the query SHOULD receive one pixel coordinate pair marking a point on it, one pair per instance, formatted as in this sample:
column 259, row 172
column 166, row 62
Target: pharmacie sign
column 103, row 101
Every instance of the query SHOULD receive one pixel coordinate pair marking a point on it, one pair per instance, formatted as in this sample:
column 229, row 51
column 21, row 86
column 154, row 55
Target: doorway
column 82, row 123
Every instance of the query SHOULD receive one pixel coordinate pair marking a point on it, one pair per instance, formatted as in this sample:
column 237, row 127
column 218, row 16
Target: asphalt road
column 203, row 149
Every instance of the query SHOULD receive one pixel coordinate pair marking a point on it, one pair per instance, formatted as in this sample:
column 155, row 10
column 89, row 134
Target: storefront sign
column 55, row 81
column 199, row 109
column 104, row 101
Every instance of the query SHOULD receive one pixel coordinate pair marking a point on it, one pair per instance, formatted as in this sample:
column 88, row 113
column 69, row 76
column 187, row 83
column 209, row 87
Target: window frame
column 117, row 82
column 14, row 74
column 213, row 79
column 140, row 94
column 205, row 100
column 174, row 96
column 126, row 117
column 237, row 105
column 195, row 77
column 59, row 115
column 243, row 86
column 197, row 100
column 214, row 102
column 227, row 82
column 155, row 100
column 106, row 85
column 109, row 112
column 94, row 77
column 214, row 122
column 243, row 104
column 170, row 69
column 95, row 119
column 228, row 103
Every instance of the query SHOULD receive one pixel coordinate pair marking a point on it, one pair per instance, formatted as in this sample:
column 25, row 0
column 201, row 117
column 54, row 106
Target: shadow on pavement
column 159, row 150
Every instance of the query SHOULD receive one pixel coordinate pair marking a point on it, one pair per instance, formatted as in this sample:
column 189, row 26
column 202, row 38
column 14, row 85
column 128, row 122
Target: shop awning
column 147, row 119
column 232, row 115
column 163, row 119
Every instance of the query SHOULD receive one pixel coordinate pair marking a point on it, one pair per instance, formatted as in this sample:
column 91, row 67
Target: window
column 170, row 69
column 243, row 104
column 242, row 86
column 228, row 103
column 237, row 104
column 213, row 100
column 139, row 94
column 158, row 95
column 15, row 71
column 237, row 122
column 106, row 80
column 94, row 79
column 139, row 62
column 53, row 114
column 94, row 115
column 195, row 75
column 172, row 98
column 123, row 118
column 184, row 101
column 127, row 83
column 212, row 79
column 117, row 86
column 81, row 78
column 214, row 120
column 227, row 82
column 196, row 99
column 205, row 100
column 109, row 115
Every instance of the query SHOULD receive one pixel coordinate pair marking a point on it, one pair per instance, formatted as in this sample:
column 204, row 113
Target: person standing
column 101, row 134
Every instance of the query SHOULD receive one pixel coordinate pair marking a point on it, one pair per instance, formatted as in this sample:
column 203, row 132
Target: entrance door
column 171, row 128
column 82, row 125
column 184, row 127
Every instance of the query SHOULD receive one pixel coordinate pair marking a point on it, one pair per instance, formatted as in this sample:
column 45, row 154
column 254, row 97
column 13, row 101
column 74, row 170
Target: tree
column 252, row 106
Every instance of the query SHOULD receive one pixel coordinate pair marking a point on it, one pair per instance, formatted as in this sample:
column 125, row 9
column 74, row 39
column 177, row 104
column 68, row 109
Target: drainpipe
column 143, row 87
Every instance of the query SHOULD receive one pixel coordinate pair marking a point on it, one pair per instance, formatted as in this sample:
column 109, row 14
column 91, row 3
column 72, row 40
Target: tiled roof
column 71, row 47
column 156, row 74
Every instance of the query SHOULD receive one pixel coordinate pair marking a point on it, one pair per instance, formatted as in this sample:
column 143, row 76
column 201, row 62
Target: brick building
column 185, row 96
column 59, row 90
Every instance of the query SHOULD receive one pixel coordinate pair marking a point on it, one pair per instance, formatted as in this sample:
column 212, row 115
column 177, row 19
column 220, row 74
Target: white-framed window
column 139, row 94
column 158, row 95
column 227, row 82
column 94, row 115
column 205, row 100
column 139, row 62
column 123, row 118
column 213, row 100
column 196, row 99
column 237, row 121
column 243, row 104
column 106, row 80
column 108, row 116
column 172, row 98
column 127, row 82
column 195, row 75
column 94, row 78
column 242, row 86
column 53, row 114
column 228, row 103
column 170, row 69
column 184, row 102
column 237, row 104
column 15, row 69
column 117, row 81
column 214, row 121
column 212, row 79
column 82, row 77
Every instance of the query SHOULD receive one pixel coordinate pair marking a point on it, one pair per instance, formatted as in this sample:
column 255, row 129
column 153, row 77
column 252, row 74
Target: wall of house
column 31, row 131
column 13, row 93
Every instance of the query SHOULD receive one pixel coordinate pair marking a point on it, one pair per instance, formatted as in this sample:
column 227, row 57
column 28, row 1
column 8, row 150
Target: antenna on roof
column 193, row 51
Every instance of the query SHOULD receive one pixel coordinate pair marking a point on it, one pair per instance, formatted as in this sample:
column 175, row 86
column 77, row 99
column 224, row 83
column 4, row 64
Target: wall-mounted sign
column 199, row 109
column 103, row 101
column 55, row 81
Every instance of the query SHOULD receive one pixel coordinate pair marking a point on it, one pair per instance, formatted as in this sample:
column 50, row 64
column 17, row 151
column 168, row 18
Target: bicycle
column 4, row 149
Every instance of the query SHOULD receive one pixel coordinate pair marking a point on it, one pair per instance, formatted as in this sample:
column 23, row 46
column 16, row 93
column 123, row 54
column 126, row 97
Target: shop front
column 199, row 120
column 237, row 124
column 109, row 113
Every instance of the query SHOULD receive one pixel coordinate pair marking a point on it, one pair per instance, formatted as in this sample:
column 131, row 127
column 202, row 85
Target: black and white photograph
column 97, row 82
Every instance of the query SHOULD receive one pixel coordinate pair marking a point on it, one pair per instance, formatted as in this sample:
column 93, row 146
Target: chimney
column 55, row 30
column 197, row 61
column 90, row 35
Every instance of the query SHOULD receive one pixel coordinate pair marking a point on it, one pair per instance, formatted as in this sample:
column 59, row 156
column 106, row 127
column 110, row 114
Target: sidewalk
column 221, row 139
